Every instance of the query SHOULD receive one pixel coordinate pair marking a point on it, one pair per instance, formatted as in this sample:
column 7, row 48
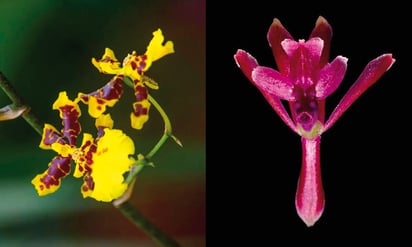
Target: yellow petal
column 97, row 106
column 63, row 102
column 50, row 180
column 63, row 149
column 80, row 155
column 104, row 120
column 156, row 49
column 140, row 114
column 110, row 162
column 137, row 122
column 41, row 189
column 108, row 64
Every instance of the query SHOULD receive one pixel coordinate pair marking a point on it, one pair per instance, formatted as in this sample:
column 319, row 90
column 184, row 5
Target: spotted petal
column 69, row 113
column 49, row 181
column 110, row 162
column 108, row 64
column 108, row 95
column 50, row 135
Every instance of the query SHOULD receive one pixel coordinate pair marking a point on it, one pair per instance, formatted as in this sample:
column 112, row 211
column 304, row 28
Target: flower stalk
column 148, row 227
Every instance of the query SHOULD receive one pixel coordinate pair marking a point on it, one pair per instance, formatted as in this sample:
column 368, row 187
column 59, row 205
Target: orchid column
column 304, row 79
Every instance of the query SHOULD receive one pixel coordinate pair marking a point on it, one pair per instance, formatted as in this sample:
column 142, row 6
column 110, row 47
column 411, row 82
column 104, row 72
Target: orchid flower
column 305, row 79
column 101, row 161
column 134, row 66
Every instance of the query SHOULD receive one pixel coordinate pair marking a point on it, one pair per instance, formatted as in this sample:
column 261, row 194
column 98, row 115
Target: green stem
column 167, row 132
column 30, row 118
column 142, row 222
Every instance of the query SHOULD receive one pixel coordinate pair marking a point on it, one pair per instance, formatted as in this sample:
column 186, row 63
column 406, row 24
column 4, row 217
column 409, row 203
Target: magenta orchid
column 305, row 79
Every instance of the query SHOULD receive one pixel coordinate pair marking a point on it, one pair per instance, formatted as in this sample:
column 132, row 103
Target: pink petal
column 272, row 82
column 330, row 77
column 372, row 72
column 323, row 30
column 276, row 34
column 246, row 63
column 311, row 49
column 304, row 59
column 310, row 199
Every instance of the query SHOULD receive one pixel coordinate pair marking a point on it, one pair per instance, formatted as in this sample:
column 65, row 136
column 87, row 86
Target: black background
column 253, row 158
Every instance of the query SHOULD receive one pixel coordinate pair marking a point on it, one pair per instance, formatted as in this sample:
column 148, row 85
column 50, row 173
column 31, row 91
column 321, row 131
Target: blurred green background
column 46, row 46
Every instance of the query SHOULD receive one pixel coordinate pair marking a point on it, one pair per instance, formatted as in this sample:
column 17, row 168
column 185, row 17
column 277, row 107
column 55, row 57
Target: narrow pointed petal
column 247, row 63
column 372, row 72
column 272, row 82
column 141, row 106
column 276, row 34
column 330, row 77
column 69, row 113
column 323, row 30
column 310, row 199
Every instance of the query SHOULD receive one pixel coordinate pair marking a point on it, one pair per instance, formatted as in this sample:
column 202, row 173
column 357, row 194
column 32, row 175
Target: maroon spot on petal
column 71, row 126
column 104, row 150
column 140, row 110
column 89, row 155
column 142, row 66
column 48, row 181
column 51, row 136
column 89, row 182
column 84, row 188
column 134, row 65
column 140, row 92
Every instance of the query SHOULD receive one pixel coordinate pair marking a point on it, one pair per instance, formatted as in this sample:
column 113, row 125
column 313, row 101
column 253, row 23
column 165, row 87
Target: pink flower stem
column 310, row 199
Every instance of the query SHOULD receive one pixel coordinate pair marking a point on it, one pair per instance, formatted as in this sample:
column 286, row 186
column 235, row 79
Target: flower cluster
column 102, row 161
column 133, row 67
column 304, row 79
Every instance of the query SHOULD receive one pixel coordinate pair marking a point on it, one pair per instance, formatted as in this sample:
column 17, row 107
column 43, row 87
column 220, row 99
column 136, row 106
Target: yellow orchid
column 101, row 161
column 133, row 66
